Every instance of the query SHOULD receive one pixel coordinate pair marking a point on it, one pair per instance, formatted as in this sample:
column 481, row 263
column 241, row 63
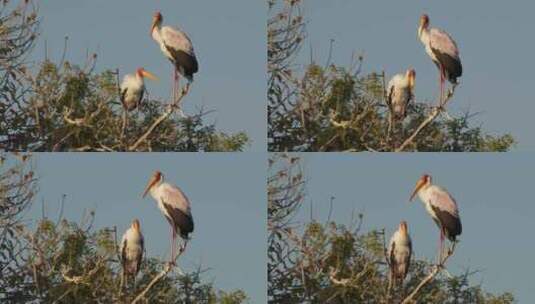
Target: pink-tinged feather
column 173, row 196
column 442, row 41
column 177, row 40
column 444, row 201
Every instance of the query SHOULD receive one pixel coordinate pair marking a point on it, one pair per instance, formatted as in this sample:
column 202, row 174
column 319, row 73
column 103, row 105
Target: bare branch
column 169, row 111
column 434, row 113
column 436, row 269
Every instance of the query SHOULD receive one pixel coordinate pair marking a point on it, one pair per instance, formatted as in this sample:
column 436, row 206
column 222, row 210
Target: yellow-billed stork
column 400, row 91
column 175, row 207
column 132, row 248
column 177, row 47
column 133, row 87
column 443, row 51
column 442, row 207
column 399, row 253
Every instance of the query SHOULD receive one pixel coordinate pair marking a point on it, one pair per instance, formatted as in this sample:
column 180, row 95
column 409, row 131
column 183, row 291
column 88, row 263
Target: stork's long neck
column 156, row 33
column 139, row 78
column 423, row 34
column 155, row 189
column 423, row 193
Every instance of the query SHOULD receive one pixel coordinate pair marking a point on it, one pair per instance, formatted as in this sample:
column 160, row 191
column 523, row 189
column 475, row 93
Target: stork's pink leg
column 173, row 244
column 441, row 85
column 441, row 245
column 174, row 88
column 177, row 86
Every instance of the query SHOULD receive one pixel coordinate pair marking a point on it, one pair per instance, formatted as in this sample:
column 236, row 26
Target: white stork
column 133, row 87
column 400, row 91
column 132, row 248
column 443, row 51
column 442, row 208
column 399, row 253
column 177, row 47
column 175, row 206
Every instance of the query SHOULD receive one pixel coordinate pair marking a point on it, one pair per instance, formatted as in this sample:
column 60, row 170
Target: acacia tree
column 336, row 108
column 70, row 107
column 315, row 262
column 61, row 261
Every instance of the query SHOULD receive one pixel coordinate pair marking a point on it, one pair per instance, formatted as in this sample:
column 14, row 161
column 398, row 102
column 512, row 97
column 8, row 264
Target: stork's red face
column 423, row 181
column 146, row 74
column 135, row 224
column 403, row 227
column 411, row 74
column 155, row 179
column 424, row 23
column 156, row 21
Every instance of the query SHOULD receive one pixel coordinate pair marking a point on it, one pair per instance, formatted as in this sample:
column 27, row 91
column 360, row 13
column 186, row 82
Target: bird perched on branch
column 133, row 87
column 175, row 207
column 177, row 47
column 400, row 91
column 132, row 248
column 443, row 51
column 399, row 253
column 442, row 207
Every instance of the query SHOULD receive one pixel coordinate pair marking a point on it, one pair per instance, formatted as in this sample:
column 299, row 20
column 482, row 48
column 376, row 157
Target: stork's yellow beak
column 419, row 186
column 149, row 75
column 151, row 183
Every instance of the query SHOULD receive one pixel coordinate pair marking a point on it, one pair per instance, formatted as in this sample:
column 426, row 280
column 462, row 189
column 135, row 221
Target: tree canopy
column 65, row 106
column 56, row 260
column 338, row 108
column 331, row 262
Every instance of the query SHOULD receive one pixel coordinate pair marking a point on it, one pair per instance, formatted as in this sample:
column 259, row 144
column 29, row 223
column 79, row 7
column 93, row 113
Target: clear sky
column 227, row 193
column 492, row 35
column 493, row 191
column 228, row 36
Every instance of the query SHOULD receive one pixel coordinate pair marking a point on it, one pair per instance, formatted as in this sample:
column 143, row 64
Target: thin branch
column 436, row 111
column 167, row 113
column 436, row 269
column 162, row 274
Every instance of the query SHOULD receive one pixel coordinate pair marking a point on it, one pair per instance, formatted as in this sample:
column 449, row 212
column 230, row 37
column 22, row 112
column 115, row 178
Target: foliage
column 335, row 263
column 60, row 261
column 68, row 107
column 334, row 108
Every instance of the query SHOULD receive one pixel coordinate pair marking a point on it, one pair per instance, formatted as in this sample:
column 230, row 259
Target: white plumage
column 177, row 47
column 174, row 205
column 443, row 51
column 399, row 253
column 400, row 92
column 442, row 208
column 132, row 248
column 133, row 87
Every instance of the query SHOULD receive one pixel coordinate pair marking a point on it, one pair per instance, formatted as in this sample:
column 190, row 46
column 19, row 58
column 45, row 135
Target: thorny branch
column 168, row 267
column 170, row 109
column 434, row 113
column 436, row 269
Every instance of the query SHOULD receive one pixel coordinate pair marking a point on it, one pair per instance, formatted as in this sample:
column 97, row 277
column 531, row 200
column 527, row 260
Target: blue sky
column 227, row 193
column 229, row 44
column 492, row 36
column 493, row 191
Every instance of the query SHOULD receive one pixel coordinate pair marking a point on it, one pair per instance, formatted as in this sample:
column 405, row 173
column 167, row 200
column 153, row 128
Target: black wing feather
column 183, row 222
column 185, row 62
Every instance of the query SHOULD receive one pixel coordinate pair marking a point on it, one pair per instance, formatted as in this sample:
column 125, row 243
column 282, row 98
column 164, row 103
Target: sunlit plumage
column 177, row 47
column 175, row 207
column 132, row 248
column 443, row 51
column 399, row 253
column 442, row 207
column 133, row 87
column 400, row 93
